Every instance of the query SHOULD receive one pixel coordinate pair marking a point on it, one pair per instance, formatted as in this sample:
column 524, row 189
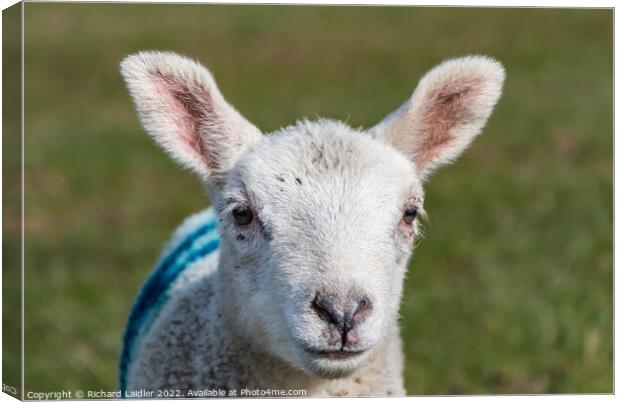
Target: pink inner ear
column 190, row 107
column 448, row 108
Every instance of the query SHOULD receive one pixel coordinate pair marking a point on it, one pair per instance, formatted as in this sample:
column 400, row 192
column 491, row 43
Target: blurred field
column 510, row 291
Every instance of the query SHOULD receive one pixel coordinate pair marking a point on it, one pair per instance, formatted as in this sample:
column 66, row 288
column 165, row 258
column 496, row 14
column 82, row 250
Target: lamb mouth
column 337, row 354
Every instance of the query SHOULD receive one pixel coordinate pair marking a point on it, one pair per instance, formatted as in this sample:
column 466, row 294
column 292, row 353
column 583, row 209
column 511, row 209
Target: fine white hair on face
column 447, row 110
column 329, row 213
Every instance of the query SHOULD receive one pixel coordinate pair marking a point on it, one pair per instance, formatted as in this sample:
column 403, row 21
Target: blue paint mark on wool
column 196, row 245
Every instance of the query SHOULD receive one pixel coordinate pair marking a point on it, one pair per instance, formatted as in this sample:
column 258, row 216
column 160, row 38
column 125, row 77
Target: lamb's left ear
column 447, row 110
column 181, row 107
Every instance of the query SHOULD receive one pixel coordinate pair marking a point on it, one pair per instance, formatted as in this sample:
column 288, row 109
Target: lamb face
column 318, row 219
column 318, row 255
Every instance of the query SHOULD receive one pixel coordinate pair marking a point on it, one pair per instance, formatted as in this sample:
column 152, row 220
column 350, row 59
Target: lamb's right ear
column 447, row 110
column 180, row 105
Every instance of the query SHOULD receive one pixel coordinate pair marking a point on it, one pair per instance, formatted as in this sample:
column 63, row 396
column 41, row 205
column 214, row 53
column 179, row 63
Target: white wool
column 328, row 204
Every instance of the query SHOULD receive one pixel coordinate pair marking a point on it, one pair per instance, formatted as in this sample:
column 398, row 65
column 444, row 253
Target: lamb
column 293, row 279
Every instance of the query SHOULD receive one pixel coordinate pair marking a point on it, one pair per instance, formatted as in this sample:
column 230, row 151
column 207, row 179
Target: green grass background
column 510, row 291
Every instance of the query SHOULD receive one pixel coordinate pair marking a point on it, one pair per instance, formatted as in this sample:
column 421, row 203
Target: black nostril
column 327, row 309
column 361, row 311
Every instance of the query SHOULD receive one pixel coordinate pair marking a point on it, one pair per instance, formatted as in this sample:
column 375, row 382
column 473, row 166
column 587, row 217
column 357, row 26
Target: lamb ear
column 179, row 104
column 447, row 110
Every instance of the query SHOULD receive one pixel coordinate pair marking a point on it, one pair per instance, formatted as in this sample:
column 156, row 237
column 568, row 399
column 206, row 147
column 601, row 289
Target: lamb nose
column 342, row 314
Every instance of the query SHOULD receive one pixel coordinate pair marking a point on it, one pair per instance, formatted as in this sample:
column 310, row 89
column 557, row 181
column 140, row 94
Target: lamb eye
column 410, row 214
column 243, row 215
